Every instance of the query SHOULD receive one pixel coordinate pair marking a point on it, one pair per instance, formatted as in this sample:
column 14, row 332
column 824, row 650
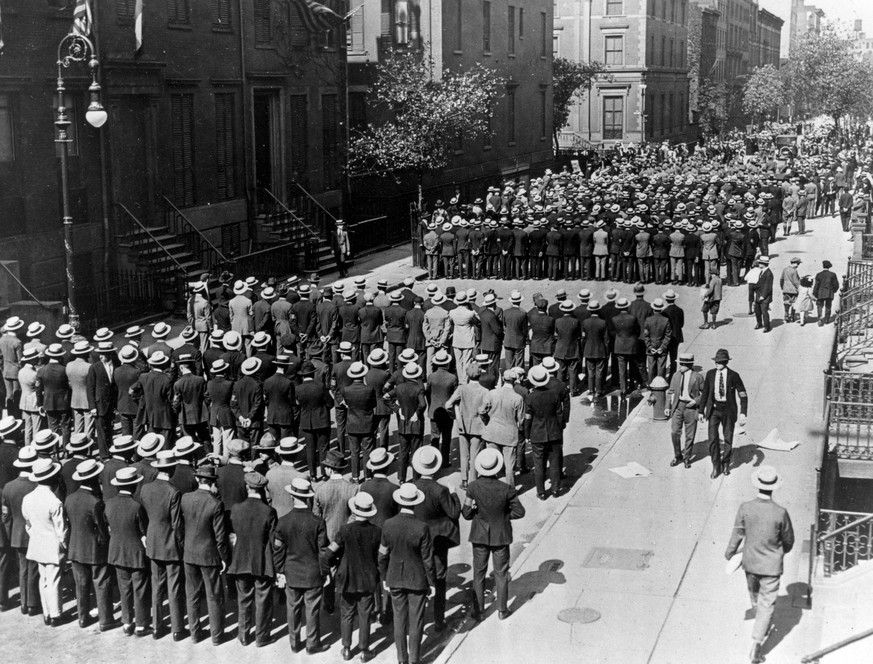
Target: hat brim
column 130, row 482
column 55, row 470
column 89, row 476
column 486, row 472
column 299, row 494
column 362, row 513
column 16, row 425
column 400, row 500
column 384, row 464
column 766, row 487
column 289, row 451
column 163, row 463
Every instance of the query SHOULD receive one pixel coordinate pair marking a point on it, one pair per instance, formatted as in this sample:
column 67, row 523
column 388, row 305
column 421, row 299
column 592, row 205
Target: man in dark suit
column 416, row 340
column 722, row 388
column 395, row 328
column 491, row 505
column 121, row 455
column 382, row 491
column 164, row 541
column 154, row 391
column 542, row 327
column 281, row 400
column 407, row 568
column 676, row 316
column 846, row 201
column 299, row 545
column 491, row 327
column 377, row 378
column 441, row 384
column 515, row 327
column 53, row 393
column 253, row 522
column 189, row 400
column 544, row 421
column 360, row 402
column 190, row 346
column 124, row 378
column 519, row 250
column 88, row 545
column 440, row 510
column 13, row 525
column 657, row 333
column 339, row 381
column 764, row 529
column 825, row 286
column 230, row 481
column 411, row 407
column 102, row 395
column 219, row 392
column 567, row 345
column 128, row 523
column 686, row 386
column 763, row 295
column 314, row 402
column 595, row 349
column 205, row 553
column 247, row 402
column 371, row 320
column 350, row 330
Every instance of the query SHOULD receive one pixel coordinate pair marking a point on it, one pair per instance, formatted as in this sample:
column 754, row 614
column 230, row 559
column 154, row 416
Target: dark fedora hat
column 334, row 460
column 721, row 355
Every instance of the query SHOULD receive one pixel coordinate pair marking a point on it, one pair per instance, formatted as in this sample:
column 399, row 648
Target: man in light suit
column 765, row 531
column 722, row 388
column 28, row 403
column 242, row 314
column 465, row 323
column 503, row 411
column 342, row 248
column 686, row 387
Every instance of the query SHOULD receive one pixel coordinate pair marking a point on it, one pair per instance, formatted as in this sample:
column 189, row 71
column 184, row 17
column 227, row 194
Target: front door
column 268, row 143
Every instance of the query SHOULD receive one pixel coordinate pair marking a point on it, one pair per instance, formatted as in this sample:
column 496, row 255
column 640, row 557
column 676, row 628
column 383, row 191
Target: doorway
column 268, row 142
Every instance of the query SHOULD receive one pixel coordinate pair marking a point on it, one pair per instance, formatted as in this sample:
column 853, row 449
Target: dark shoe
column 218, row 639
column 543, row 496
column 820, row 322
column 464, row 484
column 767, row 329
column 115, row 624
column 687, row 463
column 316, row 649
column 347, row 654
column 55, row 622
column 475, row 616
column 140, row 632
column 503, row 615
column 127, row 630
column 367, row 655
column 726, row 471
column 758, row 327
column 24, row 610
column 296, row 645
column 675, row 461
column 84, row 622
column 714, row 474
column 197, row 637
column 47, row 620
column 178, row 636
column 261, row 644
column 440, row 626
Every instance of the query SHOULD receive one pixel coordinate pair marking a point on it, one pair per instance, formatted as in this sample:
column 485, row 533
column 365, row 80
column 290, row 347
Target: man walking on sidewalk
column 721, row 390
column 766, row 528
column 686, row 387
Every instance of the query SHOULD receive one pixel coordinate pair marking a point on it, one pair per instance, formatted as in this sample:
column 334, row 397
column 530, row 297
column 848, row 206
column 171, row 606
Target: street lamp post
column 642, row 114
column 74, row 48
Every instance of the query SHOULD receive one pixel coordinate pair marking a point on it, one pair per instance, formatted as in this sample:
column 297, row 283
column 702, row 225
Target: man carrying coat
column 722, row 388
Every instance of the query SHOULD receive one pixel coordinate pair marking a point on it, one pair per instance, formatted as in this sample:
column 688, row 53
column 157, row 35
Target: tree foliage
column 570, row 81
column 764, row 92
column 712, row 104
column 424, row 116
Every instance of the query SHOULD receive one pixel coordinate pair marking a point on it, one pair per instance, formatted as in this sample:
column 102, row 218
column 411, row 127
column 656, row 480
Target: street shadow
column 785, row 618
column 723, row 322
column 749, row 453
column 530, row 584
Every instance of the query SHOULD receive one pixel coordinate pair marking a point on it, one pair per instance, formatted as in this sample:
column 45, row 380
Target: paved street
column 679, row 607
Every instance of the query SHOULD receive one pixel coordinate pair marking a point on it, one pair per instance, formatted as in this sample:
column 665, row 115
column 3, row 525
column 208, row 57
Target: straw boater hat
column 289, row 445
column 79, row 442
column 105, row 348
column 188, row 333
column 45, row 439
column 186, row 445
column 13, row 324
column 488, row 462
column 240, row 287
column 9, row 425
column 379, row 458
column 133, row 332
column 251, row 366
column 165, row 459
column 686, row 358
column 538, row 376
column 26, row 457
column 427, row 460
column 65, row 332
column 150, row 444
column 407, row 355
column 126, row 477
column 35, row 329
column 128, row 354
column 357, row 370
column 412, row 370
column 550, row 364
column 219, row 366
column 81, row 348
column 160, row 330
column 260, row 340
column 408, row 495
column 377, row 357
column 103, row 334
column 442, row 358
column 122, row 444
column 766, row 478
column 43, row 470
column 158, row 359
column 300, row 488
column 87, row 470
column 361, row 504
column 232, row 340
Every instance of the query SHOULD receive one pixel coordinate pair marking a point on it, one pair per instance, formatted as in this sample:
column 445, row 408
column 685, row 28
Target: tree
column 764, row 92
column 712, row 104
column 424, row 116
column 570, row 81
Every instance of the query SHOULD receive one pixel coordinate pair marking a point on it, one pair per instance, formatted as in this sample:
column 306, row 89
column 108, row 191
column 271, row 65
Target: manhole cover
column 603, row 557
column 577, row 615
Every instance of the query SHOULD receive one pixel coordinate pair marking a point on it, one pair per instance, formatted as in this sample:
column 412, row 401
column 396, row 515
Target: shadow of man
column 530, row 584
column 786, row 616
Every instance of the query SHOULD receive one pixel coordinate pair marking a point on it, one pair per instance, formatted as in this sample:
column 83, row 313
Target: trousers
column 549, row 452
column 254, row 596
column 167, row 581
column 468, row 447
column 200, row 580
column 317, row 444
column 762, row 591
column 359, row 444
column 304, row 602
column 683, row 419
column 409, row 608
column 50, row 589
column 409, row 443
column 133, row 589
column 499, row 556
column 28, row 580
column 96, row 576
column 361, row 605
column 721, row 416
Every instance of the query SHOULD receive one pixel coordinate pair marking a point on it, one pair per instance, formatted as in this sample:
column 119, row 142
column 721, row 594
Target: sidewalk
column 644, row 557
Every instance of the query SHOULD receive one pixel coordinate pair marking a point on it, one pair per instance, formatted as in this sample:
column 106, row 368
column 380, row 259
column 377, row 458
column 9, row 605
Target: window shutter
column 224, row 146
column 182, row 110
column 330, row 135
column 263, row 29
column 124, row 9
column 299, row 139
column 355, row 34
column 221, row 13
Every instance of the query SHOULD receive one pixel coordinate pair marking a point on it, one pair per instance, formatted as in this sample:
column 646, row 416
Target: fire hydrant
column 658, row 398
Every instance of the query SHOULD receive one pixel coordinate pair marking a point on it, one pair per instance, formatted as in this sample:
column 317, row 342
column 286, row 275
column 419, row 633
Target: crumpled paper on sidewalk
column 631, row 469
column 772, row 441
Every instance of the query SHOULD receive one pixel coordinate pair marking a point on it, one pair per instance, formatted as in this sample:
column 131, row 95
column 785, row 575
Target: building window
column 662, row 123
column 7, row 136
column 124, row 10
column 358, row 110
column 614, row 46
column 543, row 114
column 683, row 119
column 650, row 58
column 670, row 114
column 510, row 29
column 486, row 26
column 458, row 142
column 663, row 51
column 510, row 116
column 672, row 52
column 221, row 14
column 225, row 146
column 544, row 22
column 682, row 53
column 330, row 140
column 299, row 36
column 614, row 7
column 459, row 33
column 613, row 118
column 521, row 22
column 299, row 131
column 263, row 25
column 405, row 20
column 182, row 121
column 355, row 33
column 178, row 12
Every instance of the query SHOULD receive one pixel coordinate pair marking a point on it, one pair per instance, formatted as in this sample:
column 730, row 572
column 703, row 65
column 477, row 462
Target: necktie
column 721, row 389
column 682, row 392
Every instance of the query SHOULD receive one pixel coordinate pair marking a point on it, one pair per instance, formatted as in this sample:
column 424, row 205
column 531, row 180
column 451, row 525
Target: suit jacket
column 360, row 400
column 124, row 378
column 315, row 402
column 194, row 352
column 205, row 533
column 676, row 316
column 382, row 489
column 542, row 328
column 515, row 326
column 53, row 387
column 27, row 383
column 165, row 535
column 155, row 391
column 466, row 400
column 569, row 338
column 406, row 557
column 414, row 322
column 371, row 324
column 491, row 325
column 77, row 375
column 440, row 386
column 298, row 548
column 440, row 511
column 219, row 392
column 411, row 403
column 248, row 400
column 110, row 466
column 377, row 379
column 189, row 399
column 765, row 530
column 464, row 324
column 241, row 315
column 764, row 287
column 825, row 286
column 89, row 533
column 734, row 390
column 128, row 523
column 332, row 503
column 46, row 525
column 496, row 505
column 596, row 343
column 280, row 395
column 695, row 388
column 544, row 415
column 102, row 392
column 358, row 570
column 183, row 478
column 351, row 325
column 503, row 412
column 13, row 521
column 262, row 316
column 253, row 521
column 10, row 351
column 657, row 333
column 231, row 485
column 395, row 324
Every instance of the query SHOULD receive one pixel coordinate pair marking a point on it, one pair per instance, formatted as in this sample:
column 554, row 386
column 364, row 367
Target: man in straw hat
column 722, row 389
column 13, row 521
column 53, row 393
column 686, row 387
column 123, row 378
column 300, row 540
column 252, row 524
column 122, row 450
column 407, row 568
column 357, row 546
column 154, row 392
column 189, row 399
column 102, row 394
column 88, row 547
column 128, row 523
column 764, row 530
column 77, row 375
column 219, row 393
column 247, row 402
column 491, row 505
column 164, row 540
column 282, row 474
column 242, row 315
column 441, row 384
column 205, row 553
column 30, row 359
column 360, row 401
column 46, row 525
column 314, row 402
column 10, row 351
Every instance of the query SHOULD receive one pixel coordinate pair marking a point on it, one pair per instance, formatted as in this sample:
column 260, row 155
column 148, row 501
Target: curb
column 454, row 644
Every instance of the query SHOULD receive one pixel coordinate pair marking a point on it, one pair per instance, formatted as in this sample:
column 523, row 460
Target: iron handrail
column 291, row 213
column 814, row 657
column 314, row 200
column 142, row 227
column 25, row 288
column 826, row 536
column 193, row 228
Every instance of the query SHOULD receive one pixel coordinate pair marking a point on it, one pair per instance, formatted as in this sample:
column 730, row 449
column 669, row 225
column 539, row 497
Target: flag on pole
column 82, row 18
column 137, row 25
column 318, row 18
